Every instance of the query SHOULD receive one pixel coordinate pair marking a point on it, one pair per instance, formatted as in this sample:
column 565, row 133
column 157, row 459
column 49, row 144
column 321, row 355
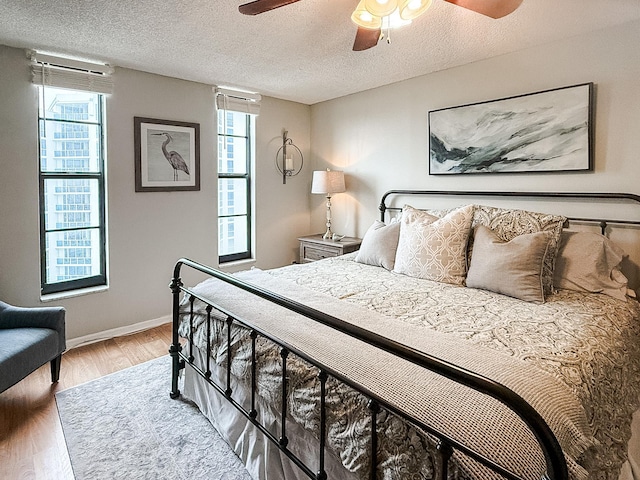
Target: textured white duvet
column 583, row 348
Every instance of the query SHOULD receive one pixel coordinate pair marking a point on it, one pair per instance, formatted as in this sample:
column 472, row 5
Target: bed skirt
column 263, row 459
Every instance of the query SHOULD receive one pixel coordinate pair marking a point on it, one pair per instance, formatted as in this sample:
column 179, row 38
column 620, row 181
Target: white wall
column 148, row 232
column 380, row 137
column 282, row 210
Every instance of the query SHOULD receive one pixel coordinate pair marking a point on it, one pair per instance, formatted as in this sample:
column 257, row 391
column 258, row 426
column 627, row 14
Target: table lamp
column 327, row 182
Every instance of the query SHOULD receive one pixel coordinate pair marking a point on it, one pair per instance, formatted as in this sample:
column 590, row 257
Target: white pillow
column 379, row 245
column 434, row 248
column 590, row 262
column 513, row 268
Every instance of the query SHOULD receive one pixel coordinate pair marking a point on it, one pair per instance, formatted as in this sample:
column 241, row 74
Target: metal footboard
column 556, row 468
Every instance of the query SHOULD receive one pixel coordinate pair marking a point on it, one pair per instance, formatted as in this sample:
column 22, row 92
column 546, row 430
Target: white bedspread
column 591, row 342
column 573, row 353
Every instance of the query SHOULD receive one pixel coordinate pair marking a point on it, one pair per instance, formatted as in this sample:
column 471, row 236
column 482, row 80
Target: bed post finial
column 175, row 348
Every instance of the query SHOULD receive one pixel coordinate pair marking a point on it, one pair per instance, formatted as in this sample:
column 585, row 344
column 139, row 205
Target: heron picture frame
column 167, row 155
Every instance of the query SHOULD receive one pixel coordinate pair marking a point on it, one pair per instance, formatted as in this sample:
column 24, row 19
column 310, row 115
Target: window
column 236, row 126
column 235, row 131
column 72, row 189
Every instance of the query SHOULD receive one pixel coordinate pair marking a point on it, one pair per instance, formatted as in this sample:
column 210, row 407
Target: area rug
column 125, row 426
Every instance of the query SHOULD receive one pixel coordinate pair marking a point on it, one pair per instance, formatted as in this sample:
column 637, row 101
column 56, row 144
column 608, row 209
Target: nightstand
column 314, row 247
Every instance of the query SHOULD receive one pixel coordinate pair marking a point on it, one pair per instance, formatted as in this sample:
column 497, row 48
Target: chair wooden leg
column 55, row 368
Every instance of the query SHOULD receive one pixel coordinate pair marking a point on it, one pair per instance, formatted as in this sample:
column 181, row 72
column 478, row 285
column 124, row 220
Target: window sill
column 53, row 297
column 237, row 265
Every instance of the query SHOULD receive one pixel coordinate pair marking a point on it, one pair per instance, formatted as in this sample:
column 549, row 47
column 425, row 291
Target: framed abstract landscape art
column 548, row 131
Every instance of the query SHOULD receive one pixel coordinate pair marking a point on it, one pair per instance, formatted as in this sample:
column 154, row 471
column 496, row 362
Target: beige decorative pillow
column 379, row 245
column 590, row 262
column 434, row 248
column 510, row 223
column 513, row 268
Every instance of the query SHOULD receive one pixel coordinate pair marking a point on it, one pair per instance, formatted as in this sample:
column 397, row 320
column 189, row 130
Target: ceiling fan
column 370, row 15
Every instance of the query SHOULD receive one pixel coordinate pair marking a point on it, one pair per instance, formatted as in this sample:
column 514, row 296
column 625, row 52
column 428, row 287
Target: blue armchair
column 29, row 338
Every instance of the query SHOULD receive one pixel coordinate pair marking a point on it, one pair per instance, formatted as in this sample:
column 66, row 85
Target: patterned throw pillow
column 509, row 223
column 434, row 248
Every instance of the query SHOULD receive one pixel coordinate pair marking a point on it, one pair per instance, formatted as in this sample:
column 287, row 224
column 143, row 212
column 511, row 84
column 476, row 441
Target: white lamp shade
column 327, row 182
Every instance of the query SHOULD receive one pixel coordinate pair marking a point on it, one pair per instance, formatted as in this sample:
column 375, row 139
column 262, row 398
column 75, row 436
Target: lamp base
column 328, row 234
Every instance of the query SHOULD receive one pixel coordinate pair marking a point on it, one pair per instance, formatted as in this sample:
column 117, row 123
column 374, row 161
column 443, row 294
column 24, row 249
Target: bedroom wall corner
column 18, row 181
column 282, row 210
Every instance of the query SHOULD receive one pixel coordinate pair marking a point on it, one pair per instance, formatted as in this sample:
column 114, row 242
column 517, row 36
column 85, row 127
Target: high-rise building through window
column 72, row 189
column 234, row 193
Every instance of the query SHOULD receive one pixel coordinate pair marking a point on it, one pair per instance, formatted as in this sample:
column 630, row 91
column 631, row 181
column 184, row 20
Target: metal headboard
column 603, row 223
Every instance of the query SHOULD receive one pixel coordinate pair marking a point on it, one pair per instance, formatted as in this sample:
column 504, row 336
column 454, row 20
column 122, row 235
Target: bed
column 463, row 342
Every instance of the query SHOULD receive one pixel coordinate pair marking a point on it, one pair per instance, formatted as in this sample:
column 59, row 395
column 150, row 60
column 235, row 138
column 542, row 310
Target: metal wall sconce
column 289, row 159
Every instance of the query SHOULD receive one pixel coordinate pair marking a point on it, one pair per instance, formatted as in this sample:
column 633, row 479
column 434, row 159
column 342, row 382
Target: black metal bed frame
column 556, row 468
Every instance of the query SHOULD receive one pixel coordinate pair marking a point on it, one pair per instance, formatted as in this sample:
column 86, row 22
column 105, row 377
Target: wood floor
column 32, row 445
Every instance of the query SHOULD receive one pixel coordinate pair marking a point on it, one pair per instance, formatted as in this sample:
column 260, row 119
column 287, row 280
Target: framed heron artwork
column 548, row 131
column 167, row 155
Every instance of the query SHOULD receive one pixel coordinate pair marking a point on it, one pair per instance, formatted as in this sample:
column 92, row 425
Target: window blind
column 61, row 72
column 237, row 100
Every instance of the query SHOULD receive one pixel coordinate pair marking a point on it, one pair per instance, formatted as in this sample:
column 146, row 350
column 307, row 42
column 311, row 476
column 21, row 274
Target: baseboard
column 117, row 332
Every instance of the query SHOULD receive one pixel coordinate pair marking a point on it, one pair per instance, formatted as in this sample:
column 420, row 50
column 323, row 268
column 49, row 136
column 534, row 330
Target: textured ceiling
column 300, row 52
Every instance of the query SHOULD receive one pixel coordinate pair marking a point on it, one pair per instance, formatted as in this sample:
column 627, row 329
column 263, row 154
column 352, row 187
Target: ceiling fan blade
column 261, row 6
column 366, row 38
column 490, row 8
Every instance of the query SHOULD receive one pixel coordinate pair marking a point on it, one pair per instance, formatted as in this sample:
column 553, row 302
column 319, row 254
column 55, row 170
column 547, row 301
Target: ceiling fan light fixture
column 363, row 18
column 372, row 16
column 380, row 8
column 394, row 20
column 410, row 9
